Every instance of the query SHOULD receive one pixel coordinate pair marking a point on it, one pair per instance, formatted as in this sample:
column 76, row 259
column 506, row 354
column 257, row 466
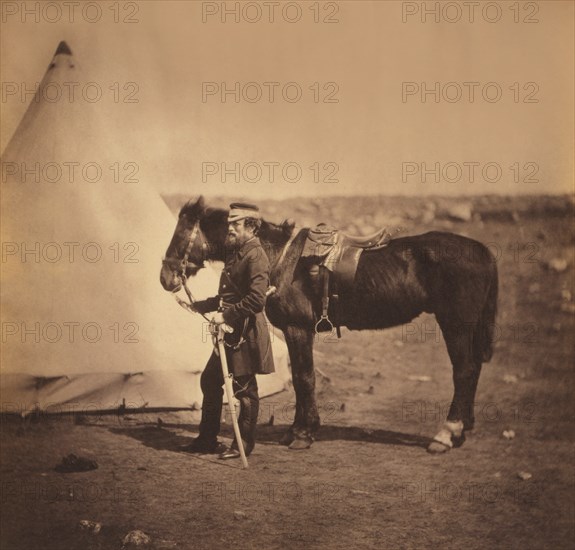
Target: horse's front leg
column 306, row 421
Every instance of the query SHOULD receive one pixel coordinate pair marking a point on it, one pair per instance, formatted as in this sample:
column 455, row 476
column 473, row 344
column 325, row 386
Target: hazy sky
column 361, row 124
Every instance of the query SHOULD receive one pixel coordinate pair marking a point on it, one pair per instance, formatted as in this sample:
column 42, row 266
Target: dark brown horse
column 442, row 273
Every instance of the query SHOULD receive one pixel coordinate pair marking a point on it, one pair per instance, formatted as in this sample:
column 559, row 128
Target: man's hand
column 218, row 318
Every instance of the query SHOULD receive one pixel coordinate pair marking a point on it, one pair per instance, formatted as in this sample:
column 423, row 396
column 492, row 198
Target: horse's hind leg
column 306, row 422
column 466, row 370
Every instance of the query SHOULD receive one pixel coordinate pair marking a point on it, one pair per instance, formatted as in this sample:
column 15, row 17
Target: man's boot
column 248, row 420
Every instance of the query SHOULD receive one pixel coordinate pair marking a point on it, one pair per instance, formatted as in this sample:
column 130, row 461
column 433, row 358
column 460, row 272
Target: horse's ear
column 199, row 207
column 288, row 226
column 193, row 210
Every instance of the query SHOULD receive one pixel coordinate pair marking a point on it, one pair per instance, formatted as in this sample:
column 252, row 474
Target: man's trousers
column 245, row 390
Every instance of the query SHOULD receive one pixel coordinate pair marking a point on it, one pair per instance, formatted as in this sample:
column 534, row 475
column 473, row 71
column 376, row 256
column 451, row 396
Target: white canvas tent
column 85, row 321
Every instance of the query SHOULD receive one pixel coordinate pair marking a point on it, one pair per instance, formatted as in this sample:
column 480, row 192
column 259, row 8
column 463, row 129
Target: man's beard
column 231, row 242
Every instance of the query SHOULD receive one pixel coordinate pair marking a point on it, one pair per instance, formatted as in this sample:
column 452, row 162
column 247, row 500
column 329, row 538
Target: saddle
column 337, row 255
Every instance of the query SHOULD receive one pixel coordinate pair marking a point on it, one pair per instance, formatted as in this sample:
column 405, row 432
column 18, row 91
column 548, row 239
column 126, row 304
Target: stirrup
column 324, row 318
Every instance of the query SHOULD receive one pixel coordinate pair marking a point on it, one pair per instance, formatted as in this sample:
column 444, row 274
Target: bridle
column 181, row 272
column 185, row 262
column 183, row 267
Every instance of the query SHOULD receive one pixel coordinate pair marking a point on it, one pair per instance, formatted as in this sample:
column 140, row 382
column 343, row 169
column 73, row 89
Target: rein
column 184, row 262
column 195, row 233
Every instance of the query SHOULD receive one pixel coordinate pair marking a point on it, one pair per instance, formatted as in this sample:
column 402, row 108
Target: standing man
column 239, row 308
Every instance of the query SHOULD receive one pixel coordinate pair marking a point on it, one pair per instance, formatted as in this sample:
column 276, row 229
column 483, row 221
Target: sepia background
column 368, row 49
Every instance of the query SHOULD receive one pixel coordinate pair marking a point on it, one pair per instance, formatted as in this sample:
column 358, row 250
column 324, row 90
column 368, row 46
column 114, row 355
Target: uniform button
column 223, row 286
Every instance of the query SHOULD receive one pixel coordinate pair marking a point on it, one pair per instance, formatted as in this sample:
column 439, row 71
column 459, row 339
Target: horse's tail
column 483, row 338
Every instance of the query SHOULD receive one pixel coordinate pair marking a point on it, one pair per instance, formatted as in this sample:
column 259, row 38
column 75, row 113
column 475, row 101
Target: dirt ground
column 367, row 482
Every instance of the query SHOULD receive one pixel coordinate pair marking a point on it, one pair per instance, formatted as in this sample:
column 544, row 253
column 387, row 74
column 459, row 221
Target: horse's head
column 199, row 236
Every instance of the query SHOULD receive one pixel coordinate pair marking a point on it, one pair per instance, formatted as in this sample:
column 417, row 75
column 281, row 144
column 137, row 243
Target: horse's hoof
column 458, row 441
column 300, row 444
column 436, row 447
column 287, row 438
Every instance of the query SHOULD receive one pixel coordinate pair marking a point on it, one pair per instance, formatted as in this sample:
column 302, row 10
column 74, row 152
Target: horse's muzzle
column 170, row 280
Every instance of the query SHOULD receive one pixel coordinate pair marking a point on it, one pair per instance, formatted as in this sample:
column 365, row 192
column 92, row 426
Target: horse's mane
column 212, row 217
column 194, row 210
column 274, row 233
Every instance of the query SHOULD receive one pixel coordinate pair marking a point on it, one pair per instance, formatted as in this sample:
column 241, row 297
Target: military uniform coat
column 242, row 295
